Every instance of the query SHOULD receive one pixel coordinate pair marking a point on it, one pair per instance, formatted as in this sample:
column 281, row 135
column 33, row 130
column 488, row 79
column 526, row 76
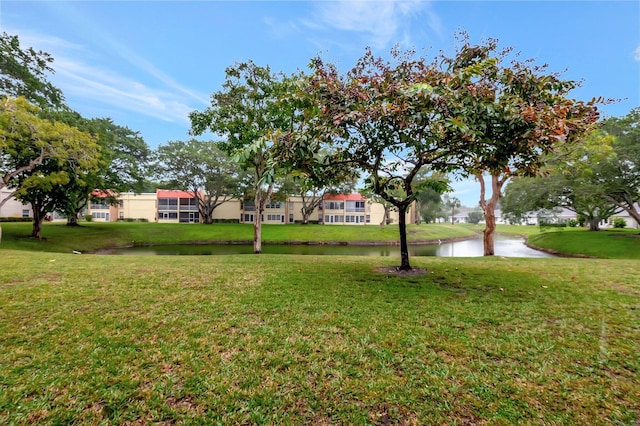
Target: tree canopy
column 511, row 114
column 23, row 72
column 202, row 168
column 248, row 114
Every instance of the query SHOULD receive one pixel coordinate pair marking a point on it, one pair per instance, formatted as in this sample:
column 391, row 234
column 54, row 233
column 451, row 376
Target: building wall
column 138, row 206
column 229, row 210
column 13, row 207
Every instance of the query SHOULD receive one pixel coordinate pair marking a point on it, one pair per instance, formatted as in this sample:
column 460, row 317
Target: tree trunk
column 594, row 224
column 38, row 218
column 207, row 217
column 489, row 230
column 257, row 222
column 305, row 216
column 385, row 217
column 489, row 210
column 72, row 220
column 404, row 248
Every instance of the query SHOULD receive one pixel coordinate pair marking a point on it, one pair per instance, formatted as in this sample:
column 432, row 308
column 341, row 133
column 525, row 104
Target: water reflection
column 504, row 246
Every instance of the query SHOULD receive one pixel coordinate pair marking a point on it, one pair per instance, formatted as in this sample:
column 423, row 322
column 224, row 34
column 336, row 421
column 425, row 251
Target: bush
column 572, row 223
column 88, row 217
column 16, row 219
column 552, row 225
column 619, row 222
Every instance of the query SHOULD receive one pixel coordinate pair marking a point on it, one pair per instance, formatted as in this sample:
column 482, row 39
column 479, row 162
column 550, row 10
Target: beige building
column 174, row 206
column 12, row 207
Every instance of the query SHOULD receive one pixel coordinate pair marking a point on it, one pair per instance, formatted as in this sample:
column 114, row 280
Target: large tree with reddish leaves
column 387, row 119
column 512, row 115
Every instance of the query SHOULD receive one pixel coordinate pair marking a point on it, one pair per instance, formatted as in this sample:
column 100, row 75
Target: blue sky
column 147, row 64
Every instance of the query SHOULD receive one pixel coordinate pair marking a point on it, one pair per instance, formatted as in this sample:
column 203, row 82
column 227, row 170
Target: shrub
column 16, row 219
column 572, row 223
column 88, row 217
column 619, row 222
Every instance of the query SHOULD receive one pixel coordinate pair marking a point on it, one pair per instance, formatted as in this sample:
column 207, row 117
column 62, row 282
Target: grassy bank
column 93, row 236
column 605, row 244
column 322, row 340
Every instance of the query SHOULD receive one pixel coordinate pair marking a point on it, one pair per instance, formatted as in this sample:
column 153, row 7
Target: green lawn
column 283, row 339
column 268, row 339
column 93, row 236
column 606, row 243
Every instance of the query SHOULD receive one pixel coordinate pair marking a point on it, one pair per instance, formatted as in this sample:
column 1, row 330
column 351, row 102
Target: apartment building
column 175, row 206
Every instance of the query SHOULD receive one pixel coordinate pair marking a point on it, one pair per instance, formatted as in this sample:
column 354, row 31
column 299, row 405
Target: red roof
column 174, row 193
column 344, row 197
column 102, row 194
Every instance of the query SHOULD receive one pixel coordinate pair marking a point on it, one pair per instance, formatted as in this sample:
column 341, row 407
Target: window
column 355, row 206
column 354, row 219
column 189, row 217
column 368, row 218
column 291, row 218
column 274, row 205
column 167, row 204
column 188, row 204
column 168, row 215
column 276, row 217
column 334, row 205
column 334, row 218
column 25, row 212
column 99, row 205
column 121, row 215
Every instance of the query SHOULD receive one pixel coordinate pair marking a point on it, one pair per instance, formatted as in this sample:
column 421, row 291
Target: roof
column 344, row 197
column 99, row 193
column 174, row 193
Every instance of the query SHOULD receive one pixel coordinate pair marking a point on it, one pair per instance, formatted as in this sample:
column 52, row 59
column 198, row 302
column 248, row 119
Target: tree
column 312, row 191
column 621, row 175
column 511, row 115
column 248, row 113
column 202, row 168
column 475, row 217
column 452, row 204
column 23, row 72
column 428, row 200
column 121, row 165
column 573, row 179
column 386, row 119
column 38, row 157
column 27, row 141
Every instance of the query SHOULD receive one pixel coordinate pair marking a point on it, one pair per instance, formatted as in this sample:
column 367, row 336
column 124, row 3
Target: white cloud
column 162, row 98
column 102, row 86
column 381, row 22
column 637, row 54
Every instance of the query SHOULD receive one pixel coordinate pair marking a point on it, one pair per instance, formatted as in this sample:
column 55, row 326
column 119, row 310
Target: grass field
column 93, row 236
column 305, row 340
column 283, row 339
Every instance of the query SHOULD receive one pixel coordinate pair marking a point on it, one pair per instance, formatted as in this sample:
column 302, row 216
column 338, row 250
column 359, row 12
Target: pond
column 504, row 246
